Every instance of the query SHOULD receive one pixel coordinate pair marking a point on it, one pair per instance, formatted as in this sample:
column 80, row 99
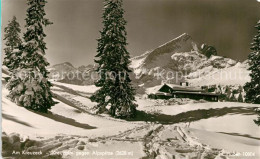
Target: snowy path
column 148, row 141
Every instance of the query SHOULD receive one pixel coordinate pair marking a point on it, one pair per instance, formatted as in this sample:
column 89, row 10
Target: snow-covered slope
column 63, row 119
column 70, row 129
column 233, row 75
column 180, row 60
column 81, row 89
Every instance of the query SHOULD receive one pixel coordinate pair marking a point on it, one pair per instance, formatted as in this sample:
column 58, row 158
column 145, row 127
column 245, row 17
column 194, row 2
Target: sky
column 226, row 24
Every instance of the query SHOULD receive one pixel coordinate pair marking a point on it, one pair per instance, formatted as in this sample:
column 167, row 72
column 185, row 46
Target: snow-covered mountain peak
column 68, row 64
column 178, row 56
column 161, row 55
column 62, row 67
column 174, row 44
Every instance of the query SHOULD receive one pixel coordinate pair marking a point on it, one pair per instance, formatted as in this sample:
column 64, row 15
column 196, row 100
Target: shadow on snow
column 65, row 120
column 192, row 116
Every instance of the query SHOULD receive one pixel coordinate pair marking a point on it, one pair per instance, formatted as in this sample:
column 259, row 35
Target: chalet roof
column 184, row 88
column 153, row 90
column 178, row 89
column 156, row 89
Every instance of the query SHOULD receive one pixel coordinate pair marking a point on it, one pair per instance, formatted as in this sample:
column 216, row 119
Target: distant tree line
column 227, row 93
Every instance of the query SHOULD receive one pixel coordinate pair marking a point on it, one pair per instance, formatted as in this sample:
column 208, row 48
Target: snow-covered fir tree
column 12, row 43
column 116, row 92
column 252, row 88
column 28, row 85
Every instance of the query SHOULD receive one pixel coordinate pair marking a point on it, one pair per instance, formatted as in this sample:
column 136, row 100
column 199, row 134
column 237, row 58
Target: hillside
column 233, row 75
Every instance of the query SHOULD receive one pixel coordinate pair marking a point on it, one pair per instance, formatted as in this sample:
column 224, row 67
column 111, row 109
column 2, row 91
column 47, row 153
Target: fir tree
column 252, row 88
column 116, row 92
column 13, row 42
column 29, row 86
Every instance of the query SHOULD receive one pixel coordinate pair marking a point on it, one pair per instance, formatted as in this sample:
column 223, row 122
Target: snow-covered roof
column 176, row 87
column 153, row 90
